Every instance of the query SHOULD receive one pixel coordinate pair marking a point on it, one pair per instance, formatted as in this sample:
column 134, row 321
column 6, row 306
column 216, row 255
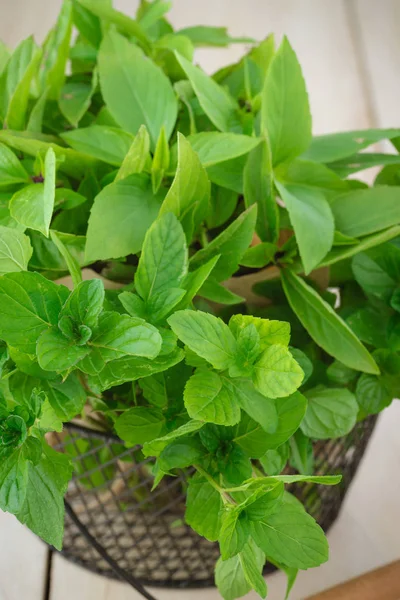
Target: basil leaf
column 309, row 211
column 140, row 424
column 285, row 111
column 137, row 155
column 326, row 328
column 135, row 90
column 361, row 212
column 258, row 189
column 18, row 103
column 108, row 144
column 32, row 206
column 189, row 194
column 218, row 105
column 206, row 35
column 11, row 169
column 15, row 251
column 120, row 217
column 76, row 98
column 214, row 148
column 164, row 258
column 29, row 304
column 293, row 537
column 206, row 335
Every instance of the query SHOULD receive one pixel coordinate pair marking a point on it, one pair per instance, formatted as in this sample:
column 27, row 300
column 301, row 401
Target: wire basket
column 113, row 517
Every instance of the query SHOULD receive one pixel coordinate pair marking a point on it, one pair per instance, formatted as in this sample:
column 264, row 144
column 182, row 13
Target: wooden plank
column 23, row 561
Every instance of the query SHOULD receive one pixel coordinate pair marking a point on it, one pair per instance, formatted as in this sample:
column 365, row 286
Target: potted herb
column 210, row 228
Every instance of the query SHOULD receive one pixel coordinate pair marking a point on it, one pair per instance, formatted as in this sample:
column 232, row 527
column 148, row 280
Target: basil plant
column 232, row 295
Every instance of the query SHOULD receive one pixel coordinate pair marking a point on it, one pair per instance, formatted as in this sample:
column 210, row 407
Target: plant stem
column 226, row 498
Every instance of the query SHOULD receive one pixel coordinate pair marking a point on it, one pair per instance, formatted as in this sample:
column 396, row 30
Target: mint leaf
column 291, row 411
column 218, row 105
column 108, row 144
column 140, row 424
column 43, row 508
column 85, row 303
column 257, row 406
column 285, row 111
column 212, row 399
column 331, row 413
column 325, row 326
column 163, row 262
column 29, row 305
column 181, row 453
column 270, row 332
column 155, row 447
column 274, row 461
column 32, row 206
column 135, row 90
column 13, row 478
column 238, row 575
column 203, row 508
column 372, row 394
column 189, row 194
column 71, row 261
column 15, row 251
column 120, row 217
column 292, row 537
column 206, row 335
column 234, row 532
column 276, row 373
column 55, row 352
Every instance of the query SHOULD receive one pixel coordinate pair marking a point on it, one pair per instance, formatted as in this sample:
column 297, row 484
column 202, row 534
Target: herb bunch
column 177, row 189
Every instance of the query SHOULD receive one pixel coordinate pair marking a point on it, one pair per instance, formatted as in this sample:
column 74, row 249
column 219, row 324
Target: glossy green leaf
column 120, row 217
column 75, row 99
column 108, row 144
column 15, row 251
column 140, row 424
column 203, row 507
column 331, row 413
column 237, row 575
column 212, row 399
column 271, row 332
column 285, row 111
column 257, row 406
column 276, row 373
column 15, row 117
column 11, row 169
column 214, row 148
column 234, row 532
column 72, row 263
column 135, row 90
column 325, row 326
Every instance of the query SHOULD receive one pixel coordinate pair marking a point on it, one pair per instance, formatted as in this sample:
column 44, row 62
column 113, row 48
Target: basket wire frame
column 142, row 534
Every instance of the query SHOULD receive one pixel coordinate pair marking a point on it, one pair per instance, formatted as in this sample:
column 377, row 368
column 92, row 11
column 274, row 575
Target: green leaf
column 189, row 194
column 56, row 352
column 335, row 146
column 365, row 211
column 276, row 373
column 234, row 532
column 203, row 508
column 372, row 276
column 372, row 394
column 108, row 144
column 231, row 244
column 137, row 155
column 33, row 205
column 181, row 453
column 18, row 103
column 155, row 447
column 214, row 148
column 292, row 537
column 285, row 111
column 257, row 406
column 14, row 72
column 131, row 368
column 11, row 169
column 72, row 263
column 274, row 461
column 161, row 304
column 258, row 189
column 291, row 411
column 206, row 335
column 163, row 262
column 85, row 303
column 216, row 292
column 87, row 24
column 51, row 74
column 35, row 121
column 194, row 281
column 238, row 575
column 161, row 160
column 135, row 90
column 76, row 98
column 361, row 161
column 140, row 424
column 326, row 328
column 309, row 211
column 13, row 478
column 270, row 332
column 29, row 304
column 212, row 399
column 331, row 413
column 218, row 105
column 43, row 508
column 15, row 251
column 120, row 217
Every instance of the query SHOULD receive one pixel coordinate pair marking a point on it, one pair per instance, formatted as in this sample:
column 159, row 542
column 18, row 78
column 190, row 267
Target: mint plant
column 171, row 190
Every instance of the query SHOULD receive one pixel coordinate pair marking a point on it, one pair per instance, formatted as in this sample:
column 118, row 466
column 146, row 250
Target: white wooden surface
column 350, row 53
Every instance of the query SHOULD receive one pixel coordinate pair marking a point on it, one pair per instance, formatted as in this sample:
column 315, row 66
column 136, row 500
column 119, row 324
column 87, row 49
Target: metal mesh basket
column 112, row 511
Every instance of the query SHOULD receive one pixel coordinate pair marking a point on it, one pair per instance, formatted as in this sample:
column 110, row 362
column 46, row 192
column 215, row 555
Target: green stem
column 225, row 497
column 203, row 238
